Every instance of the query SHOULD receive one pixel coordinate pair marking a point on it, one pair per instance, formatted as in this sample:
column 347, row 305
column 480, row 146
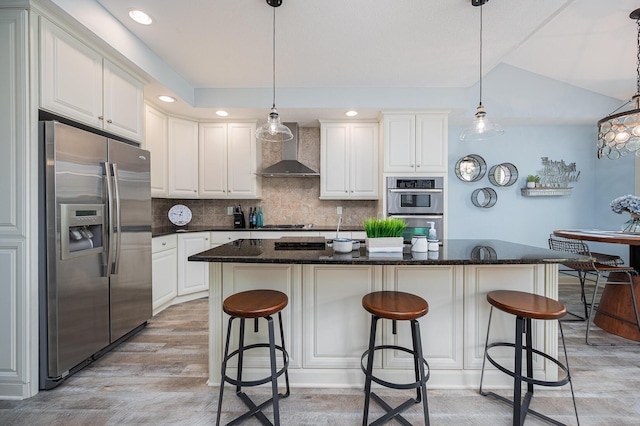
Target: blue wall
column 529, row 220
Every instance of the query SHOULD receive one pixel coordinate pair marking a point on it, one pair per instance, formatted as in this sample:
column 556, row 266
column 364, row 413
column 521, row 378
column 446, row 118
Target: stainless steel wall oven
column 417, row 201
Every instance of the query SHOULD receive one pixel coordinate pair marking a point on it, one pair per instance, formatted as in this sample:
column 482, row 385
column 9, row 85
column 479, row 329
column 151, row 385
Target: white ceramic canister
column 433, row 245
column 419, row 244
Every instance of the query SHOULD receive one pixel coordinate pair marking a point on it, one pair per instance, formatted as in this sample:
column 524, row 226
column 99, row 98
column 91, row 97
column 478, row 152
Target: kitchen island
column 327, row 329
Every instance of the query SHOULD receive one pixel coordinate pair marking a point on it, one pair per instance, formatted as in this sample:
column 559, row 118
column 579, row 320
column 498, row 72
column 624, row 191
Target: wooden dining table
column 615, row 312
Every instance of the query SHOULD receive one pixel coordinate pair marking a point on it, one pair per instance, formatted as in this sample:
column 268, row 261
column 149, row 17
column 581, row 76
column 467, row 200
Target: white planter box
column 386, row 245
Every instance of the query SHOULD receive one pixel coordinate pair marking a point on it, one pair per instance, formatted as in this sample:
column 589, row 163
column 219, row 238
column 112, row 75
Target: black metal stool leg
column 420, row 374
column 484, row 358
column 223, row 371
column 240, row 357
column 517, row 377
column 274, row 377
column 566, row 361
column 284, row 361
column 367, row 382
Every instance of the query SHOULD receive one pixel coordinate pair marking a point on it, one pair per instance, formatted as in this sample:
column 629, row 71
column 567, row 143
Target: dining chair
column 597, row 271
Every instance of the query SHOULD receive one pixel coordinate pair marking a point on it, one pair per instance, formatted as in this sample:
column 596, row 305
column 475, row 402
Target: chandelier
column 619, row 132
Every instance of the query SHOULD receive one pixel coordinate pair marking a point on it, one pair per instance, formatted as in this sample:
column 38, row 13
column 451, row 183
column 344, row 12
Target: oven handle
column 417, row 216
column 420, row 191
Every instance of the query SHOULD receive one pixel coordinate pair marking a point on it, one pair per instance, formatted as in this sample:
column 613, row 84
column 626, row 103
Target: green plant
column 387, row 227
column 533, row 178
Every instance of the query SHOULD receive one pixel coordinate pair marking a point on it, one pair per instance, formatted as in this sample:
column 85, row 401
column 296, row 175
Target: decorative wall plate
column 505, row 174
column 471, row 168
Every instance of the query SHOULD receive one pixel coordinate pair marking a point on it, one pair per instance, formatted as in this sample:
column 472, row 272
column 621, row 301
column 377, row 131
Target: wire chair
column 600, row 267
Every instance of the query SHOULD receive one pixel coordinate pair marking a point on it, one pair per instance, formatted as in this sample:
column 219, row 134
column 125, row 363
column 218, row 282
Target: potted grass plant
column 384, row 234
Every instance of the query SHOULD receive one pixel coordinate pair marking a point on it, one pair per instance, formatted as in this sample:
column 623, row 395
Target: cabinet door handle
column 109, row 121
column 417, row 165
column 164, row 244
column 100, row 118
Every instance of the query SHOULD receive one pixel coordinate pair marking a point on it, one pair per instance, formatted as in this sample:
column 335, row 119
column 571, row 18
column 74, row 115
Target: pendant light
column 481, row 128
column 273, row 130
column 619, row 134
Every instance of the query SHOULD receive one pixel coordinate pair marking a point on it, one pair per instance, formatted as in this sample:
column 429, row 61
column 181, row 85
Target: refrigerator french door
column 95, row 247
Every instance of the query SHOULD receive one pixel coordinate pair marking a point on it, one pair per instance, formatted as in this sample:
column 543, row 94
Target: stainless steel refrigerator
column 95, row 247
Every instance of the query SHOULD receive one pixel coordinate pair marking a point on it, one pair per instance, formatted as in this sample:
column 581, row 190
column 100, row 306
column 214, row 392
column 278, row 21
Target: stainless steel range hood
column 289, row 166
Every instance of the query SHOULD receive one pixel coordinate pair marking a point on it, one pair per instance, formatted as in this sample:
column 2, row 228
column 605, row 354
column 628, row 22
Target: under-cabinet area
column 327, row 329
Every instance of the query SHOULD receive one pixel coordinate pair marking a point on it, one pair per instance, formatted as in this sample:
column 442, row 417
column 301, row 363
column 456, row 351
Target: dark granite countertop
column 168, row 230
column 452, row 252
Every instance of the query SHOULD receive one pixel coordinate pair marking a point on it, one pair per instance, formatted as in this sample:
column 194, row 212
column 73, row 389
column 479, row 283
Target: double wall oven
column 417, row 201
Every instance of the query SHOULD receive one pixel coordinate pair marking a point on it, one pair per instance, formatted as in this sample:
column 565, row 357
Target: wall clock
column 180, row 215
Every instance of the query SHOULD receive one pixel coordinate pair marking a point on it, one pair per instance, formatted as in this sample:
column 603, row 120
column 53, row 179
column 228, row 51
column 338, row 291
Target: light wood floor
column 158, row 377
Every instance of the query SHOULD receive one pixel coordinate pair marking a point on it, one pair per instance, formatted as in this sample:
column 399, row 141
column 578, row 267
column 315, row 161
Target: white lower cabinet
column 193, row 277
column 164, row 260
column 336, row 327
column 442, row 328
column 282, row 277
column 219, row 238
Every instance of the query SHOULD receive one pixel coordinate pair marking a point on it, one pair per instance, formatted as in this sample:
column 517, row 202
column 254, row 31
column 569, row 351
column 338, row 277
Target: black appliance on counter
column 238, row 218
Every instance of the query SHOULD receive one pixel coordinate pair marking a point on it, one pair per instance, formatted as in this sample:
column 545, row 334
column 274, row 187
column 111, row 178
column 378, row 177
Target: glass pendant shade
column 481, row 128
column 273, row 130
column 619, row 134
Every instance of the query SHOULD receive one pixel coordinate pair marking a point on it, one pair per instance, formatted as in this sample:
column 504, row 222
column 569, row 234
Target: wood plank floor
column 158, row 377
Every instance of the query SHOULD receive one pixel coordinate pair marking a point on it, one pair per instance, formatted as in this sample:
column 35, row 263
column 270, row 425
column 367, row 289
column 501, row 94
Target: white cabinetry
column 415, row 143
column 183, row 158
column 333, row 301
column 349, row 160
column 285, row 278
column 193, row 277
column 77, row 82
column 18, row 225
column 229, row 157
column 442, row 327
column 165, row 271
column 156, row 141
column 222, row 237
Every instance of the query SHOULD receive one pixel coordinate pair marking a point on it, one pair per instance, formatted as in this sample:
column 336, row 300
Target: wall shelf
column 544, row 192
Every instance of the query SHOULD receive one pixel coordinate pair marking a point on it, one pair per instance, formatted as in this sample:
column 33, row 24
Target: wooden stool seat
column 255, row 303
column 395, row 305
column 526, row 305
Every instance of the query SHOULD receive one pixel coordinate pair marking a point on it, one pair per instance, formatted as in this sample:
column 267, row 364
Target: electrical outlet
column 229, row 211
column 339, row 210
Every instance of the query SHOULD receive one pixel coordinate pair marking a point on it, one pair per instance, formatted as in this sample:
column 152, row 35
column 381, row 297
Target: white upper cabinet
column 228, row 159
column 183, row 158
column 349, row 160
column 78, row 83
column 156, row 141
column 415, row 143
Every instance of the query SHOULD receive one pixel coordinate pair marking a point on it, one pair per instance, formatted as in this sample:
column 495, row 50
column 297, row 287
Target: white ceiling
column 340, row 44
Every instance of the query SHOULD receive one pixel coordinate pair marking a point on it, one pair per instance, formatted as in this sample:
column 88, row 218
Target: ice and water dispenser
column 81, row 229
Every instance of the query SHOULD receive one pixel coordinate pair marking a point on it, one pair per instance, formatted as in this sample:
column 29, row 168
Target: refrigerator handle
column 118, row 209
column 109, row 222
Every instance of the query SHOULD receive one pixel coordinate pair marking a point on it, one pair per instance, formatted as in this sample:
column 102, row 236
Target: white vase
column 531, row 184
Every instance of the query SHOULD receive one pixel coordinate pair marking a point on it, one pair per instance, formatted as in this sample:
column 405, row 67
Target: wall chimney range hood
column 289, row 166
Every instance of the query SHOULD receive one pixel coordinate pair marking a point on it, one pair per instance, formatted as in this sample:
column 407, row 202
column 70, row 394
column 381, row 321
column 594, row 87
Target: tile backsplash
column 284, row 200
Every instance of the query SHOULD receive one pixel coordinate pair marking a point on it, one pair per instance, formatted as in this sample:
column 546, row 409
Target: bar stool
column 526, row 306
column 246, row 305
column 396, row 306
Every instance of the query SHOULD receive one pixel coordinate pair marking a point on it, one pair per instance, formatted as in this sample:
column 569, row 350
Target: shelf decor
column 629, row 204
column 554, row 179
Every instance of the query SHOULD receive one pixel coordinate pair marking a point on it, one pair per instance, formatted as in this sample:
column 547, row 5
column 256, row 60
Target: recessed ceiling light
column 222, row 113
column 351, row 113
column 140, row 17
column 165, row 98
